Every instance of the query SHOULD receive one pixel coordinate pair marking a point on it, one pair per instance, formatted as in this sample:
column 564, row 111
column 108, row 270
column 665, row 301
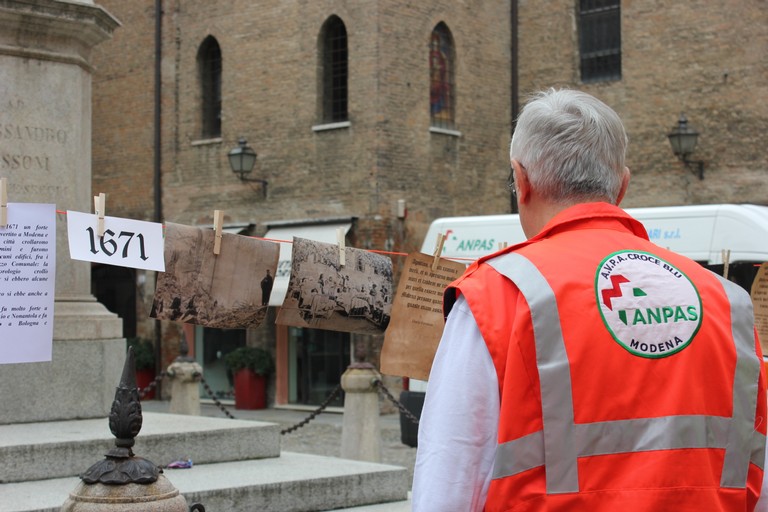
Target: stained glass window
column 441, row 78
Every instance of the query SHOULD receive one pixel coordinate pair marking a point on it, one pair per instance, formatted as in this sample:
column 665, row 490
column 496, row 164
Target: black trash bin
column 413, row 401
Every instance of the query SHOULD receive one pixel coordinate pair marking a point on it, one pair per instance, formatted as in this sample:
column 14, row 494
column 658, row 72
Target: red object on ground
column 250, row 390
column 143, row 379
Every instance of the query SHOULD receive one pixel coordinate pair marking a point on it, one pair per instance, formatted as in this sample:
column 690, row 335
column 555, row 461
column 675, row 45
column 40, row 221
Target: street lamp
column 683, row 139
column 241, row 160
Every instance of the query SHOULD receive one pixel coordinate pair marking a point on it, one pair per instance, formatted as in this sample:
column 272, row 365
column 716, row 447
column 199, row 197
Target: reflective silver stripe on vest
column 611, row 437
column 560, row 454
column 746, row 377
column 562, row 441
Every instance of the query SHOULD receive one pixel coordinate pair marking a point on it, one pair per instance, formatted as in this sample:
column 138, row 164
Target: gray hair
column 572, row 145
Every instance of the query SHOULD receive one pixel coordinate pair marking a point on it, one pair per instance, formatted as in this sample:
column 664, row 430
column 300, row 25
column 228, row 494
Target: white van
column 701, row 232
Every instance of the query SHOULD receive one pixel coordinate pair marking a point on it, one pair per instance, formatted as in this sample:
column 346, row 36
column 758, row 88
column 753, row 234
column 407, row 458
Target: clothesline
column 377, row 251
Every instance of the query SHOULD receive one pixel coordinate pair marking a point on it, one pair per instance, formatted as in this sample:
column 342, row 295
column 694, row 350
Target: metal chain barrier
column 215, row 399
column 152, row 385
column 408, row 414
column 221, row 406
column 378, row 383
column 314, row 413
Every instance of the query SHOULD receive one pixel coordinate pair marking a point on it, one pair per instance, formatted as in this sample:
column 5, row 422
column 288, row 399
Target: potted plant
column 250, row 367
column 144, row 357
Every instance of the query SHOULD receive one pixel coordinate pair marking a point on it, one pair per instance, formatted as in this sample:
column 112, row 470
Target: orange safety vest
column 630, row 377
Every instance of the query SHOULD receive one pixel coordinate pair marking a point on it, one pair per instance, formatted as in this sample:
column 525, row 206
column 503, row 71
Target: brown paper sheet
column 759, row 295
column 417, row 320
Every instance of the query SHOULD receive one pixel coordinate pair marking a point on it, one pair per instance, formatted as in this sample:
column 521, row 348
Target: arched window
column 442, row 97
column 209, row 66
column 335, row 71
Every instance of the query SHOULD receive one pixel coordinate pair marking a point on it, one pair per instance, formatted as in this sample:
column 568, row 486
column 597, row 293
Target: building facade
column 376, row 117
column 380, row 116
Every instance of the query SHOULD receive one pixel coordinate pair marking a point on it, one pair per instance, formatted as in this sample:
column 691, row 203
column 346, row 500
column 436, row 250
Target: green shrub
column 254, row 358
column 143, row 353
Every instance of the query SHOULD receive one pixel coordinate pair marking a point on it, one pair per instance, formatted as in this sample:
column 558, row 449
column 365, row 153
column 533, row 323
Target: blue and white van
column 701, row 232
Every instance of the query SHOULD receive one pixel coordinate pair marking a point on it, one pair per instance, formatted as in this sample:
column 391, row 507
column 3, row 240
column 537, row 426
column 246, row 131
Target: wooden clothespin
column 99, row 205
column 3, row 202
column 218, row 221
column 438, row 250
column 342, row 251
column 726, row 261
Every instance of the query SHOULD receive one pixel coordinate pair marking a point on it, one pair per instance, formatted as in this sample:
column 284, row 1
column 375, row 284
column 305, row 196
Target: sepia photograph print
column 322, row 294
column 229, row 290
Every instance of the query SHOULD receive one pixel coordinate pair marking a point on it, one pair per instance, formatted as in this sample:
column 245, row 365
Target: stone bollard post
column 185, row 375
column 361, row 428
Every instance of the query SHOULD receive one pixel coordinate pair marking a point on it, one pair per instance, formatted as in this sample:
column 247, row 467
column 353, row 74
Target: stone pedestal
column 185, row 379
column 361, row 426
column 159, row 496
column 123, row 482
column 45, row 152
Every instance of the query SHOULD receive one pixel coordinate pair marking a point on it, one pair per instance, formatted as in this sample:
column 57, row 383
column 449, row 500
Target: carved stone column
column 45, row 143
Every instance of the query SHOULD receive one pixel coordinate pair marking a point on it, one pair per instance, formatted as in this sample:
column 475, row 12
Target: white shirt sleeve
column 459, row 421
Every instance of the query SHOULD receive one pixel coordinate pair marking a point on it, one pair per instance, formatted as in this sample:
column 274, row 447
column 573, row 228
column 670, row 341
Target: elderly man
column 587, row 368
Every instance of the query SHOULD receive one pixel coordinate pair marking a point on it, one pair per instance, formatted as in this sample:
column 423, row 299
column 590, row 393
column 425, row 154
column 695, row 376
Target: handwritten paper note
column 27, row 282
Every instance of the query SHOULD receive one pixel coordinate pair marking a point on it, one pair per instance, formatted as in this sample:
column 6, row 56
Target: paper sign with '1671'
column 125, row 243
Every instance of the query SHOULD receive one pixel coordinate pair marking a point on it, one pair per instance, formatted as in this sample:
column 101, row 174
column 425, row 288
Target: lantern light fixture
column 242, row 160
column 683, row 139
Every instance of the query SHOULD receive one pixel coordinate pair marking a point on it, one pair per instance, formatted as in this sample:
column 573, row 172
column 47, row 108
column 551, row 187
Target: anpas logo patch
column 650, row 307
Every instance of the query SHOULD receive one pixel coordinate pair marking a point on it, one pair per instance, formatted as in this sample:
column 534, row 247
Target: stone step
column 395, row 506
column 46, row 450
column 291, row 482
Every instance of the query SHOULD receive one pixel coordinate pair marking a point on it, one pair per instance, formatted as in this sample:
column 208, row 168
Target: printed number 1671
column 109, row 246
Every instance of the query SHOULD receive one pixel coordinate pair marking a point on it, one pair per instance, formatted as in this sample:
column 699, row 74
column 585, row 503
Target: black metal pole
column 513, row 75
column 157, row 178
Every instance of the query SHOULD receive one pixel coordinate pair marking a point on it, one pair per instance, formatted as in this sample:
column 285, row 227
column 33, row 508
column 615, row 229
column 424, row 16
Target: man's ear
column 624, row 186
column 522, row 184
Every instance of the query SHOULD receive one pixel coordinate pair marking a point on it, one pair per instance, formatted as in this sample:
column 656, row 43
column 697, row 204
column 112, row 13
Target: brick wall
column 123, row 105
column 706, row 59
column 270, row 96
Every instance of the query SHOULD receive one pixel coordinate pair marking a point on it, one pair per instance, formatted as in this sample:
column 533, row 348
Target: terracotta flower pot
column 250, row 390
column 143, row 379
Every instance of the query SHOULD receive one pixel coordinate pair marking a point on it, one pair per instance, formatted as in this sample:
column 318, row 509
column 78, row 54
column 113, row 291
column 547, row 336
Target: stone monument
column 45, row 153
